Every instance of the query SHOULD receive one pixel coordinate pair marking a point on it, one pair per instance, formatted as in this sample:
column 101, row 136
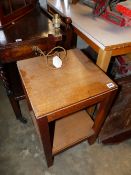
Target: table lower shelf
column 71, row 130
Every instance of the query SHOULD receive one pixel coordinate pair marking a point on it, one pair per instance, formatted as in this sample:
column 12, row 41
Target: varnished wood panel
column 32, row 26
column 72, row 129
column 77, row 80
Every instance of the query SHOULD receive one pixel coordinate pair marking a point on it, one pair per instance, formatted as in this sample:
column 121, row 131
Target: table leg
column 103, row 59
column 16, row 108
column 46, row 140
column 101, row 115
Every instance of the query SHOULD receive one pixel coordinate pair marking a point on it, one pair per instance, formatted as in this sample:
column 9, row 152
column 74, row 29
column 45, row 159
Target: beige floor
column 21, row 154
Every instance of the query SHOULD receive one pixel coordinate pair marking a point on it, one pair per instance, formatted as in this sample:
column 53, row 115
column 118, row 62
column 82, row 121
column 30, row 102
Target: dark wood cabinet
column 17, row 41
column 11, row 10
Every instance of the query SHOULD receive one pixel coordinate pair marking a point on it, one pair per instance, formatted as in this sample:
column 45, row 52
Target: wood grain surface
column 50, row 90
column 72, row 129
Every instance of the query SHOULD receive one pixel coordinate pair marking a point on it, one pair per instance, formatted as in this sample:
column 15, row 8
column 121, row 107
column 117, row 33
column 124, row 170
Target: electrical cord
column 53, row 52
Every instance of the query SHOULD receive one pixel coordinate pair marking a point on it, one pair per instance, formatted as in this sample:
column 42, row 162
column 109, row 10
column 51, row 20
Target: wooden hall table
column 59, row 98
column 104, row 37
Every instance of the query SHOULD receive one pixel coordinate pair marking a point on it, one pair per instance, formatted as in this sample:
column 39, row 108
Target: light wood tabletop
column 50, row 90
column 104, row 37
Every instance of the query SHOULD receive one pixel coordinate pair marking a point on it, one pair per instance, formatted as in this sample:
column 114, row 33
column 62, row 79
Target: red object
column 114, row 18
column 124, row 10
column 123, row 66
column 102, row 9
column 126, row 13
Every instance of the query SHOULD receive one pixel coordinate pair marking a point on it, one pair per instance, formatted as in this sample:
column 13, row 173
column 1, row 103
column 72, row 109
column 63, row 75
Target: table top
column 101, row 32
column 33, row 25
column 50, row 89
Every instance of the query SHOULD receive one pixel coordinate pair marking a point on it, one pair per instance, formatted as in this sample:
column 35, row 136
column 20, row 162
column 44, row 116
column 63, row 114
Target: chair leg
column 104, row 108
column 16, row 108
column 14, row 103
